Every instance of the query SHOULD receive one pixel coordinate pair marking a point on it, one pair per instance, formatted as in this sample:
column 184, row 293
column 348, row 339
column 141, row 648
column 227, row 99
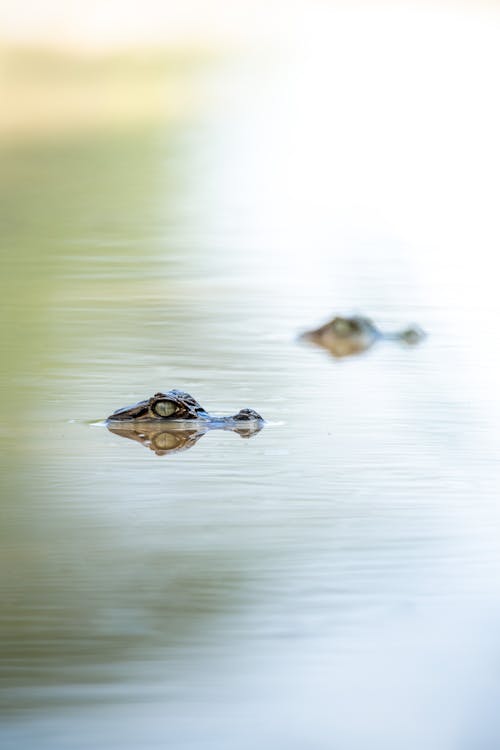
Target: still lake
column 331, row 582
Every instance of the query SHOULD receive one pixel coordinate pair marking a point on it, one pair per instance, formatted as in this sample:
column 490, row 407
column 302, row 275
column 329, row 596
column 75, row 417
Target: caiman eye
column 165, row 408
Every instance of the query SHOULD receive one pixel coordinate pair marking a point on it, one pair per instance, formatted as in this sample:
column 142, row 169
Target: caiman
column 174, row 421
column 344, row 337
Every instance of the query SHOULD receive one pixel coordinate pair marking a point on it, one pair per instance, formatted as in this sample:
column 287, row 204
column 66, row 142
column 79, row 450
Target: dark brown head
column 344, row 336
column 172, row 405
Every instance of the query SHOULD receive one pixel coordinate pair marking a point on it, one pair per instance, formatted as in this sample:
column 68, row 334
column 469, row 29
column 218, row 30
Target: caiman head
column 173, row 405
column 344, row 336
column 179, row 406
column 174, row 421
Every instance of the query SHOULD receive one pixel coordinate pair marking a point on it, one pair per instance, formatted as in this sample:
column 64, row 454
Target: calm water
column 331, row 582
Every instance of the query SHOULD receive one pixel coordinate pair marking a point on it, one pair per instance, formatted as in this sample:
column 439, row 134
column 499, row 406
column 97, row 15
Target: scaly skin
column 174, row 421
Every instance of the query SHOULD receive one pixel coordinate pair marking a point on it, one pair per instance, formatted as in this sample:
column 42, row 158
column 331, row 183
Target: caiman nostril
column 246, row 415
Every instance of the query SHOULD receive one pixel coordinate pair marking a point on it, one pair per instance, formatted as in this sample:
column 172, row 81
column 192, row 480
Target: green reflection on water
column 79, row 238
column 63, row 203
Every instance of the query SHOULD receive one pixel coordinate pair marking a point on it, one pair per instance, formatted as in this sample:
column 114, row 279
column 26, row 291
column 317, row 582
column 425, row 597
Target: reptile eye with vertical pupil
column 165, row 408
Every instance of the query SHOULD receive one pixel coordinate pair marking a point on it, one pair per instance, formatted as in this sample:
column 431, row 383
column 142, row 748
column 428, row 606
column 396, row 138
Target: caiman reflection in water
column 344, row 337
column 174, row 421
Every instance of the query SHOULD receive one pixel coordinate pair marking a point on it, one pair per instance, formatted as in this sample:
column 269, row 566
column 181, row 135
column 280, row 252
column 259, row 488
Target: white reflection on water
column 334, row 581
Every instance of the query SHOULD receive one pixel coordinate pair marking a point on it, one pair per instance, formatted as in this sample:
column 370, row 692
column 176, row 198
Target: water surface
column 330, row 582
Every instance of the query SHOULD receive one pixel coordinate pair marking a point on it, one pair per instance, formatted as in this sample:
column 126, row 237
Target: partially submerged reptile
column 343, row 337
column 174, row 421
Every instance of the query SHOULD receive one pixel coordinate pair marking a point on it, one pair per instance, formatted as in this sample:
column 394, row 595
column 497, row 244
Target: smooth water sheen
column 330, row 582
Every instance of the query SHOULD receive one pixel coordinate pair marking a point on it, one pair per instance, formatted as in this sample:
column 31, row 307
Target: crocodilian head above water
column 174, row 421
column 344, row 337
